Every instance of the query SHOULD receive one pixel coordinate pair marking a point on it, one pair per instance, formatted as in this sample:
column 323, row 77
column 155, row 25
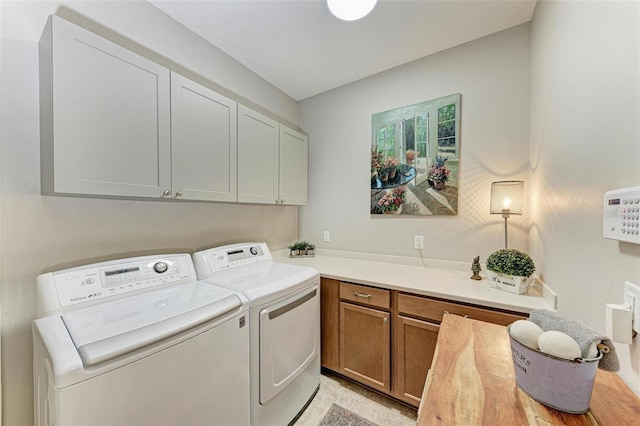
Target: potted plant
column 510, row 270
column 376, row 163
column 301, row 248
column 391, row 166
column 438, row 173
column 410, row 155
column 391, row 202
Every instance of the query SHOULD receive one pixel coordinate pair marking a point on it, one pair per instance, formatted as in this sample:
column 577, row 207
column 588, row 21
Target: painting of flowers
column 415, row 158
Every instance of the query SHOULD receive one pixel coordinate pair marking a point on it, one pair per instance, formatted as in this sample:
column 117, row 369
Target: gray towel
column 553, row 321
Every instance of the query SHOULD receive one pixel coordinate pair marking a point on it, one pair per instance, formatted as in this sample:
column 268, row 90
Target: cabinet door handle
column 178, row 193
column 385, row 320
column 166, row 192
column 366, row 296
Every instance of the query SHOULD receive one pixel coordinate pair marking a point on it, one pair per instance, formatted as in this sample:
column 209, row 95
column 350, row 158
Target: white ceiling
column 299, row 47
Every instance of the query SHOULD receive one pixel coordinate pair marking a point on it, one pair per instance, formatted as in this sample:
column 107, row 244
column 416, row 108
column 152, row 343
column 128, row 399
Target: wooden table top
column 472, row 382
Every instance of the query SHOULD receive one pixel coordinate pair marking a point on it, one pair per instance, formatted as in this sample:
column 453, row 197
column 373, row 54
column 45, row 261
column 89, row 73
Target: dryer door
column 289, row 340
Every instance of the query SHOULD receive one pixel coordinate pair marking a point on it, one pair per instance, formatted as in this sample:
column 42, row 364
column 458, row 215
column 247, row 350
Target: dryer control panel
column 622, row 215
column 229, row 257
column 101, row 280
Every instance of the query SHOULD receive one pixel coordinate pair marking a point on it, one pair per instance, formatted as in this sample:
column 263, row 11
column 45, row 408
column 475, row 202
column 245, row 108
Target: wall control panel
column 622, row 215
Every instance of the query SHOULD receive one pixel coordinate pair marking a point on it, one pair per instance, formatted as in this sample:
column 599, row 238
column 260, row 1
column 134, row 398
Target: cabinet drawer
column 364, row 295
column 433, row 310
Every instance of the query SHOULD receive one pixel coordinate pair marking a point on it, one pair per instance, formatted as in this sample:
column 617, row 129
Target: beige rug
column 338, row 416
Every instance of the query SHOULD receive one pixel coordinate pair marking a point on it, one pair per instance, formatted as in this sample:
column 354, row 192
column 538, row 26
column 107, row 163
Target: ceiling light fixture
column 351, row 10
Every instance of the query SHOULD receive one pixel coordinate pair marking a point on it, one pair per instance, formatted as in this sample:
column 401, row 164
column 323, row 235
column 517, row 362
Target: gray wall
column 40, row 234
column 585, row 140
column 492, row 75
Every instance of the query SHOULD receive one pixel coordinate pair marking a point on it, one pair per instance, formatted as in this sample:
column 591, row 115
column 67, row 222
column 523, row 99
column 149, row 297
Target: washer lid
column 264, row 281
column 112, row 329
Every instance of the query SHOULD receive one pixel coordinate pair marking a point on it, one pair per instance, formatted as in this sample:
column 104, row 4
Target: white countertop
column 422, row 280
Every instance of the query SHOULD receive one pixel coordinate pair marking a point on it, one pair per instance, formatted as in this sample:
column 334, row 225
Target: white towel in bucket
column 553, row 321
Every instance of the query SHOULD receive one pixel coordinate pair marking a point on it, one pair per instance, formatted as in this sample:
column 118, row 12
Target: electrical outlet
column 418, row 242
column 632, row 298
column 326, row 236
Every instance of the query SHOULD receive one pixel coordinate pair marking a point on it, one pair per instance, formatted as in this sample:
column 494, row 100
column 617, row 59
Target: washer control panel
column 108, row 279
column 235, row 255
column 622, row 215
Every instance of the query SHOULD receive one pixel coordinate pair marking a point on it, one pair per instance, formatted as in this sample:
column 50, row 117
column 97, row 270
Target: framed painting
column 415, row 159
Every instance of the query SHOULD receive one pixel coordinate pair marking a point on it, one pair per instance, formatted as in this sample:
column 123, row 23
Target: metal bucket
column 563, row 384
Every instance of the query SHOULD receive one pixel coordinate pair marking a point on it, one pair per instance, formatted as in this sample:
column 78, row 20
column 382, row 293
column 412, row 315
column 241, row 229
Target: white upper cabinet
column 272, row 161
column 293, row 167
column 203, row 142
column 105, row 114
column 257, row 157
column 115, row 124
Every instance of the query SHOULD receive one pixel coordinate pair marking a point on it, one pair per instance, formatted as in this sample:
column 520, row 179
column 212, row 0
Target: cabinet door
column 330, row 323
column 293, row 167
column 257, row 157
column 365, row 345
column 203, row 142
column 107, row 128
column 415, row 347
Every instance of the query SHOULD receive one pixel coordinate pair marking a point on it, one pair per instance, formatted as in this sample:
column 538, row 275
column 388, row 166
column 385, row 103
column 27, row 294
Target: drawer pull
column 446, row 312
column 466, row 316
column 366, row 296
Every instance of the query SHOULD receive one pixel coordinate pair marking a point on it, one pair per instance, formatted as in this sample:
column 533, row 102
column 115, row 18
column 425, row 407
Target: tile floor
column 363, row 402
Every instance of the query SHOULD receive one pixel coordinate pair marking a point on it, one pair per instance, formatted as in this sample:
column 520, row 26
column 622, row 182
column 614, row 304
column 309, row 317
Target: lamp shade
column 351, row 10
column 507, row 195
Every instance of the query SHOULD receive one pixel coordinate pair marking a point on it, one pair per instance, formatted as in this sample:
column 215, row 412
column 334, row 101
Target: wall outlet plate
column 418, row 242
column 632, row 298
column 326, row 236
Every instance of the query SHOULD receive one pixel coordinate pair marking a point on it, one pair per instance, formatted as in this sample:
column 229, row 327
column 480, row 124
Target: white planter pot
column 511, row 283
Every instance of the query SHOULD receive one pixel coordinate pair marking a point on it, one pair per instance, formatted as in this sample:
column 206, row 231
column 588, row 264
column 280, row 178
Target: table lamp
column 507, row 199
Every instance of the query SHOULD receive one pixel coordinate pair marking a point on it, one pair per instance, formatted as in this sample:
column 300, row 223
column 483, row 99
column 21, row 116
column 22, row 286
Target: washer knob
column 160, row 267
column 253, row 250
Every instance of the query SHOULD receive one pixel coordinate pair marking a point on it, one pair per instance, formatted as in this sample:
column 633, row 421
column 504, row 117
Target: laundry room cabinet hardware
column 272, row 161
column 355, row 343
column 366, row 296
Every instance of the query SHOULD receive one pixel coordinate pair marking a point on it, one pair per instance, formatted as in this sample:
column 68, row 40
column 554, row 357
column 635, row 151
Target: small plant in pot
column 301, row 248
column 511, row 270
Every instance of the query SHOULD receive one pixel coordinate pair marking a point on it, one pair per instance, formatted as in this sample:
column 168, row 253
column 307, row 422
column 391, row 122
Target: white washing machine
column 285, row 326
column 139, row 342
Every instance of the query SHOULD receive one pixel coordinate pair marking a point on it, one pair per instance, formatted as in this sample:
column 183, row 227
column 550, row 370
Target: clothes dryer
column 285, row 326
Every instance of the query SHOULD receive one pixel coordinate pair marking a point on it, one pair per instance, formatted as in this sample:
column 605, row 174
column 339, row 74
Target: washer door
column 289, row 340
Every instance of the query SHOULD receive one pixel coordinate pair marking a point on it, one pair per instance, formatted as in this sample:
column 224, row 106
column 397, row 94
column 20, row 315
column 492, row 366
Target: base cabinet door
column 415, row 344
column 365, row 345
column 330, row 323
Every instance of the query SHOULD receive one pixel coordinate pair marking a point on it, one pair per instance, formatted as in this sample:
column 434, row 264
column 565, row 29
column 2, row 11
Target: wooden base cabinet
column 415, row 344
column 386, row 339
